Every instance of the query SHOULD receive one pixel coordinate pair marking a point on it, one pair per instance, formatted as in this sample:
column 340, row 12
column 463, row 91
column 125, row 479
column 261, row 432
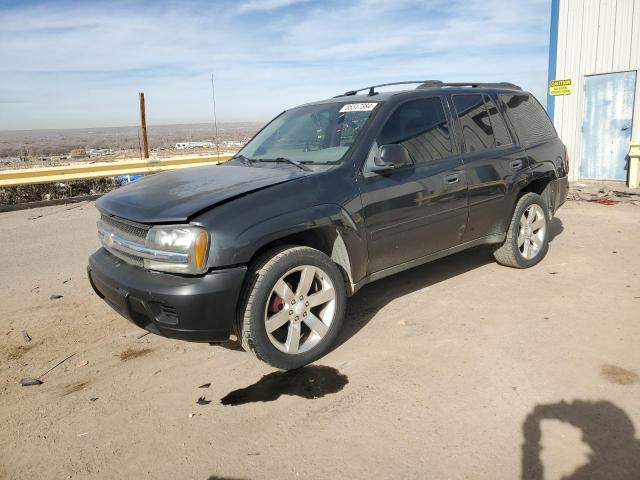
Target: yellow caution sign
column 560, row 87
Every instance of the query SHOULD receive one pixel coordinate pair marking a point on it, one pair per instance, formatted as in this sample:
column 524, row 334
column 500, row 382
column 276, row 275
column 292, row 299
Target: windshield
column 310, row 134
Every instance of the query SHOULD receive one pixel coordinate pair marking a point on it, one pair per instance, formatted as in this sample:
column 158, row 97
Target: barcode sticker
column 358, row 107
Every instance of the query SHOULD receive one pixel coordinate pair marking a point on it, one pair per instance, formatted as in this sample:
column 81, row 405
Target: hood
column 177, row 195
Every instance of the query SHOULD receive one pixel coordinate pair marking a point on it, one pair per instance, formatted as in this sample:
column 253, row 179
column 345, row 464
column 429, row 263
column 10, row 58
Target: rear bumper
column 198, row 309
column 561, row 189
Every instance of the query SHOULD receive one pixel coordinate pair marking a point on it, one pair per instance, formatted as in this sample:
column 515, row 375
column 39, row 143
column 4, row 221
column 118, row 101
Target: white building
column 100, row 152
column 186, row 145
column 596, row 45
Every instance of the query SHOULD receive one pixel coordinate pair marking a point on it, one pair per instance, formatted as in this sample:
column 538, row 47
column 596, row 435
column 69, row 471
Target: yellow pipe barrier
column 84, row 170
column 634, row 165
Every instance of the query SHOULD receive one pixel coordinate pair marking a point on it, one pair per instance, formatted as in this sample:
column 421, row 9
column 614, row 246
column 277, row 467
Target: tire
column 535, row 244
column 270, row 320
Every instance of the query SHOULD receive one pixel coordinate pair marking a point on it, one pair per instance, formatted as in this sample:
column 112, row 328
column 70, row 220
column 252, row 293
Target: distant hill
column 63, row 141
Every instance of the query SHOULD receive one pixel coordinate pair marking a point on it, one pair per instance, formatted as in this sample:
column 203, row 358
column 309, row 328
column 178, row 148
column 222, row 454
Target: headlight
column 181, row 249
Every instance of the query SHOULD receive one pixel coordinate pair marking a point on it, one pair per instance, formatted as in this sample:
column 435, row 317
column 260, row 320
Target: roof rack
column 372, row 88
column 439, row 84
column 432, row 84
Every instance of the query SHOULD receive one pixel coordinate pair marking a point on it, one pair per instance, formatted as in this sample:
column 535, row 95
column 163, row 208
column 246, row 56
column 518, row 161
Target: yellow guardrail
column 634, row 165
column 84, row 170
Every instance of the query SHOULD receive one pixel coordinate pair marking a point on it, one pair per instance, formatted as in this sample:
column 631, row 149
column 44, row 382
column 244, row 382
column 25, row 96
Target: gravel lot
column 457, row 369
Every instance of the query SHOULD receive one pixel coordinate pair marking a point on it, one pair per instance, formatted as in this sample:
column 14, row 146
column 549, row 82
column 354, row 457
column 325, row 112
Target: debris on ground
column 203, row 401
column 26, row 336
column 609, row 193
column 605, row 201
column 58, row 364
column 55, row 296
column 131, row 353
column 206, row 385
column 143, row 335
column 28, row 382
column 93, row 399
column 67, row 280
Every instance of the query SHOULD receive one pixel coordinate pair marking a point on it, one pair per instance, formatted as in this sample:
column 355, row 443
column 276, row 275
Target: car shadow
column 366, row 303
column 605, row 427
column 555, row 228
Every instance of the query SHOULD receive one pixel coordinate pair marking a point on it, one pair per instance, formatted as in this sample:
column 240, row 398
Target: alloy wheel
column 531, row 234
column 300, row 309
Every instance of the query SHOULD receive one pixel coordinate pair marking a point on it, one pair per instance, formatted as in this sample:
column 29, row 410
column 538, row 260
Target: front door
column 606, row 127
column 418, row 209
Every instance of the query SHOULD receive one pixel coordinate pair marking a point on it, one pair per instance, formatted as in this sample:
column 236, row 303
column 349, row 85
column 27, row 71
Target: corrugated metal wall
column 594, row 36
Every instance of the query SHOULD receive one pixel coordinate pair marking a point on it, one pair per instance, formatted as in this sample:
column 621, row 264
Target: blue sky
column 81, row 64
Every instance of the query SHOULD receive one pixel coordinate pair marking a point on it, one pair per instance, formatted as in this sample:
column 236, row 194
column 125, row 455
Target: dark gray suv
column 326, row 198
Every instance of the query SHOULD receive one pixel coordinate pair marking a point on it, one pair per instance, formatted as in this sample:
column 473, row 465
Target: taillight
column 565, row 161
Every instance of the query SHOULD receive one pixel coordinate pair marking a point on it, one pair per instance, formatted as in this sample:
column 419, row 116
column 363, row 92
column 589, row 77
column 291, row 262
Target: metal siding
column 574, row 101
column 622, row 36
column 594, row 36
column 606, row 21
column 559, row 112
column 634, row 64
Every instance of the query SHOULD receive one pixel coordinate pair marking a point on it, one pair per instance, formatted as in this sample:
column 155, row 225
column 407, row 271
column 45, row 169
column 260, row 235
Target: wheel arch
column 543, row 184
column 327, row 228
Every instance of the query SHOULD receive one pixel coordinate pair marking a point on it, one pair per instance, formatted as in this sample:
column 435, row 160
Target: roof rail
column 432, row 84
column 372, row 88
column 438, row 84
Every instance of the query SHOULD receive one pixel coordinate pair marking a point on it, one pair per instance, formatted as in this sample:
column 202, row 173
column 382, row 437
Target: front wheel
column 527, row 240
column 293, row 307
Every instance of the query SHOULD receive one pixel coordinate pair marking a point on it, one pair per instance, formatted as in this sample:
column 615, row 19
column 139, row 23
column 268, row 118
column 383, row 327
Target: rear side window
column 531, row 122
column 502, row 135
column 421, row 126
column 474, row 120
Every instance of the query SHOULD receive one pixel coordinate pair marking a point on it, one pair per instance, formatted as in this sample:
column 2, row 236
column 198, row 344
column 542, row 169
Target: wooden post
column 143, row 125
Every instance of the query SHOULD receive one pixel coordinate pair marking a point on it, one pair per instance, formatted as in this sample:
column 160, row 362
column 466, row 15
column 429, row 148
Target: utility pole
column 143, row 125
column 215, row 117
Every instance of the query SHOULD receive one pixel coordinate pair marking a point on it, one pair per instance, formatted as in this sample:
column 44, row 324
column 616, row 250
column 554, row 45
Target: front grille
column 126, row 229
column 127, row 257
column 135, row 232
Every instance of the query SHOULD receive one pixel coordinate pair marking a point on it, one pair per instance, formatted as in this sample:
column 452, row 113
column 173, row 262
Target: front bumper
column 198, row 309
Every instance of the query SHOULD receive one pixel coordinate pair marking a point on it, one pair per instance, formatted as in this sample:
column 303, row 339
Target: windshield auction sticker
column 358, row 107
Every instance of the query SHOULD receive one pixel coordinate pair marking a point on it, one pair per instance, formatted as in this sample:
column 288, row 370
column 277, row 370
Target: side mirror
column 392, row 156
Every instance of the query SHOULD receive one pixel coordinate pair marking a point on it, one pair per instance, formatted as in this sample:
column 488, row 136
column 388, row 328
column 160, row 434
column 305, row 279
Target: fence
column 84, row 170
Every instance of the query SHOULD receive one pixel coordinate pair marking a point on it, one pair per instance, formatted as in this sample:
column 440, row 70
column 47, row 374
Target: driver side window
column 421, row 126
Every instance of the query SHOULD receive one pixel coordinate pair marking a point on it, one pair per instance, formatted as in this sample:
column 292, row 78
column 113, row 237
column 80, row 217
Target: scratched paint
column 607, row 124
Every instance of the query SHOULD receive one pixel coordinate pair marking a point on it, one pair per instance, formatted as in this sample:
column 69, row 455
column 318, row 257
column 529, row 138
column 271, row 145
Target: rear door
column 420, row 209
column 492, row 162
column 606, row 128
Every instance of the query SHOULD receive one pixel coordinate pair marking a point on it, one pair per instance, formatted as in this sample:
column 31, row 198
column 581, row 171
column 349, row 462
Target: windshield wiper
column 243, row 159
column 287, row 160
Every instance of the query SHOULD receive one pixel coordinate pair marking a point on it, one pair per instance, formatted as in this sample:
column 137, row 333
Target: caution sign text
column 560, row 87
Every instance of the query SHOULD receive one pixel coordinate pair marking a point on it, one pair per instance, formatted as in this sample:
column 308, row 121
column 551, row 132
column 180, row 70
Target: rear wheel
column 527, row 240
column 294, row 305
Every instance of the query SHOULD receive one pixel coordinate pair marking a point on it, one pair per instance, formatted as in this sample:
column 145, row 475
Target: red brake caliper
column 276, row 304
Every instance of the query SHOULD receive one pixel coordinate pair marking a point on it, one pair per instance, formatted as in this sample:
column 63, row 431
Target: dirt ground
column 460, row 369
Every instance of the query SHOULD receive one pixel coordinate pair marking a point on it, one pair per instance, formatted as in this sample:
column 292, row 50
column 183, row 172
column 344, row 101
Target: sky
column 77, row 64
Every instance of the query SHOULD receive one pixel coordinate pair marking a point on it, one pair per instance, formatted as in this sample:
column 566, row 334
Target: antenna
column 215, row 117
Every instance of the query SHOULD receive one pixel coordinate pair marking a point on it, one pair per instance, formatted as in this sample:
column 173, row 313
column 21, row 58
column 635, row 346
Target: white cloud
column 82, row 64
column 263, row 5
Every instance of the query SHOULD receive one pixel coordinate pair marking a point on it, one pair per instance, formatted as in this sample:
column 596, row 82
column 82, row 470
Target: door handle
column 516, row 164
column 451, row 179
